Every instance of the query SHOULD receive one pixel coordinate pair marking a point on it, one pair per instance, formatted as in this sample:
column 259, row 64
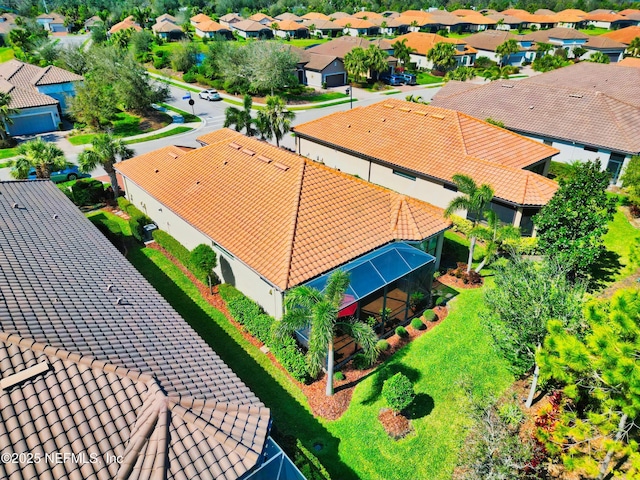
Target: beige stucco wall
column 333, row 158
column 229, row 269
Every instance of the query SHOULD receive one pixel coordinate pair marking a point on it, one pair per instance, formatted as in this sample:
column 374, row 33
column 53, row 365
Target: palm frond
column 322, row 327
column 364, row 336
column 336, row 286
column 465, row 183
column 302, row 297
column 293, row 320
column 458, row 203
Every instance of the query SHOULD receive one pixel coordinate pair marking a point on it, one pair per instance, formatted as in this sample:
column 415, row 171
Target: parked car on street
column 211, row 95
column 409, row 78
column 70, row 172
column 393, row 80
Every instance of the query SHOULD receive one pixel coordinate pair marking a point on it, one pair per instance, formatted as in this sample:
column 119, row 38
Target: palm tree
column 376, row 60
column 415, row 99
column 474, row 201
column 355, row 62
column 240, row 119
column 493, row 235
column 45, row 157
column 403, row 52
column 307, row 306
column 634, row 47
column 442, row 55
column 599, row 57
column 276, row 118
column 506, row 49
column 543, row 49
column 5, row 115
column 578, row 51
column 105, row 151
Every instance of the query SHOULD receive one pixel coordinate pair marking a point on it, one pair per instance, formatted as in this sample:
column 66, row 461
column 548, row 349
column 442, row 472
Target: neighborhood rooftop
column 109, row 336
column 557, row 103
column 307, row 218
column 438, row 143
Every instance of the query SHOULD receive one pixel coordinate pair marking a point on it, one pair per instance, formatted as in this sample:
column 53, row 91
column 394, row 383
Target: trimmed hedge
column 338, row 376
column 85, row 191
column 461, row 225
column 291, row 358
column 227, row 292
column 382, row 345
column 417, row 324
column 171, row 245
column 402, row 332
column 360, row 362
column 137, row 219
column 429, row 316
column 195, row 261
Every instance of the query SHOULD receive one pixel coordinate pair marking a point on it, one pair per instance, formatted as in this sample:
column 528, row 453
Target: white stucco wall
column 230, row 269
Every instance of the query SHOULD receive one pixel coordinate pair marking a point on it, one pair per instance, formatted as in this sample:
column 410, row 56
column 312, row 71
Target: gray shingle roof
column 60, row 279
column 587, row 103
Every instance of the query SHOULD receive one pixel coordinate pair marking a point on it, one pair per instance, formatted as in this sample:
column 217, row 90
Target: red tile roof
column 305, row 217
column 624, row 35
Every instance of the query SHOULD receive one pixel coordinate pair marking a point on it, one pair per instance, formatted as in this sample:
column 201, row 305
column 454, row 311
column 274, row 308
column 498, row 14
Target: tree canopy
column 443, row 56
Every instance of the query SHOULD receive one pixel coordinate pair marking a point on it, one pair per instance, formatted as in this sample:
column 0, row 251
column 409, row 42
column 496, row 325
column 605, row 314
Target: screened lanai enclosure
column 388, row 287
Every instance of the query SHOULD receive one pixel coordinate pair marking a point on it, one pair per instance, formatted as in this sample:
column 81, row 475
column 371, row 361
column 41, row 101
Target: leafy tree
column 548, row 63
column 630, row 178
column 506, row 49
column 442, row 55
column 355, row 63
column 74, row 59
column 578, row 51
column 543, row 49
column 121, row 38
column 5, row 115
column 570, row 227
column 45, row 157
column 106, row 151
column 93, row 103
column 403, row 52
column 307, row 306
column 601, row 374
column 398, row 392
column 461, row 74
column 99, row 34
column 276, row 118
column 415, row 98
column 634, row 47
column 185, row 56
column 377, row 60
column 271, row 66
column 240, row 119
column 496, row 72
column 474, row 200
column 141, row 43
column 599, row 57
column 525, row 297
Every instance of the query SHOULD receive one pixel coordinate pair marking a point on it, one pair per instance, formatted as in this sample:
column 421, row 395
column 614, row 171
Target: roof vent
column 420, row 112
column 235, row 145
column 438, row 116
column 109, row 287
column 281, row 166
column 530, row 107
column 172, row 155
column 386, row 105
column 506, row 85
column 120, row 301
column 575, row 95
column 264, row 159
column 23, row 375
column 55, row 216
column 384, row 119
column 404, row 109
column 157, row 171
column 246, row 151
column 14, row 205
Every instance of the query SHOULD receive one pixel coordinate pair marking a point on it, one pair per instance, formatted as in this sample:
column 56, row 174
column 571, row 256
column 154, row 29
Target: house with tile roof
column 569, row 38
column 289, row 29
column 126, row 24
column 167, row 30
column 307, row 219
column 624, row 35
column 416, row 149
column 52, row 22
column 251, row 29
column 323, row 28
column 609, row 20
column 629, row 62
column 39, row 94
column 506, row 22
column 210, row 29
column 7, row 23
column 487, row 42
column 421, row 42
column 199, row 18
column 357, row 27
column 587, row 110
column 229, row 19
column 98, row 365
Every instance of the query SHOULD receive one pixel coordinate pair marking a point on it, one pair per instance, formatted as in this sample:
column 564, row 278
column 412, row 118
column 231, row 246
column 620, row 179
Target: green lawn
column 125, row 125
column 619, row 240
column 8, row 153
column 6, row 54
column 594, row 31
column 306, row 42
column 188, row 117
column 168, row 133
column 458, row 35
column 315, row 97
column 425, row 78
column 355, row 446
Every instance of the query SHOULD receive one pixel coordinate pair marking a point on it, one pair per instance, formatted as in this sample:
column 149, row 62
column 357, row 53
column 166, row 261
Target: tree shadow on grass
column 289, row 415
column 421, row 406
column 605, row 270
column 387, row 371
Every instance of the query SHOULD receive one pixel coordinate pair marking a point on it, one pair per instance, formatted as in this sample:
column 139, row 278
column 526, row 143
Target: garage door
column 41, row 122
column 335, row 80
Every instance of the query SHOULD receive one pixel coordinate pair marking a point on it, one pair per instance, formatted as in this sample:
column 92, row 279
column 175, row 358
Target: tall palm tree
column 308, row 306
column 45, row 157
column 355, row 63
column 239, row 119
column 5, row 115
column 275, row 118
column 442, row 55
column 493, row 235
column 376, row 60
column 105, row 151
column 506, row 49
column 403, row 52
column 474, row 199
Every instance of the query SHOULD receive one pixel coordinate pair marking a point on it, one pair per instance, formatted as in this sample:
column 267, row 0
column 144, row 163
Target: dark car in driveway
column 409, row 78
column 390, row 79
column 70, row 172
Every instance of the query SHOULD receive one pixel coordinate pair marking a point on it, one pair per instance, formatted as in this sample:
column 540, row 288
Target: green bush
column 227, row 292
column 429, row 315
column 417, row 324
column 360, row 361
column 440, row 301
column 290, row 356
column 316, row 470
column 461, row 225
column 189, row 77
column 382, row 345
column 338, row 376
column 402, row 332
column 86, row 191
column 171, row 245
column 202, row 261
column 124, row 204
column 137, row 221
column 398, row 392
column 217, row 84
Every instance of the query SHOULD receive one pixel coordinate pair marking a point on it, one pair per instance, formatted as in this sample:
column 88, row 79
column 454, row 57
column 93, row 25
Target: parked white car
column 211, row 95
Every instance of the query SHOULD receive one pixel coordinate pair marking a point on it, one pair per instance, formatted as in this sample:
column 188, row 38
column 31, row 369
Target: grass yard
column 594, row 31
column 425, row 78
column 6, row 54
column 125, row 125
column 168, row 133
column 315, row 97
column 188, row 117
column 7, row 153
column 306, row 42
column 354, row 447
column 619, row 240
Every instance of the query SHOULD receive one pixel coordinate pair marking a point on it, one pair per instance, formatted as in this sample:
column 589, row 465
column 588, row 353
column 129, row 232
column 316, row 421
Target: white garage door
column 41, row 122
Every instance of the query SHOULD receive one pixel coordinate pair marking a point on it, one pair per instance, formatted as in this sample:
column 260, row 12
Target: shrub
column 360, row 361
column 429, row 316
column 137, row 221
column 124, row 204
column 290, row 356
column 189, row 77
column 227, row 292
column 417, row 324
column 382, row 345
column 461, row 225
column 86, row 191
column 471, row 278
column 402, row 332
column 634, row 210
column 10, row 142
column 202, row 261
column 398, row 392
column 440, row 301
column 338, row 376
column 170, row 244
column 217, row 84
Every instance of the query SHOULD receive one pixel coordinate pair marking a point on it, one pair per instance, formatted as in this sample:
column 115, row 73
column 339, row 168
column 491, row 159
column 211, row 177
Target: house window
column 590, row 149
column 615, row 165
column 448, row 186
column 404, row 175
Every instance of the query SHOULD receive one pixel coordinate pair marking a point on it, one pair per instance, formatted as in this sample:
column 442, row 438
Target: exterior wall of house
column 60, row 92
column 614, row 55
column 333, row 158
column 599, row 24
column 316, row 79
column 229, row 269
column 421, row 61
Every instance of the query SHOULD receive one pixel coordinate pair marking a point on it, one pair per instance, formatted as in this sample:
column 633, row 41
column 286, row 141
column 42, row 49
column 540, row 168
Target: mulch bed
column 396, row 426
column 457, row 283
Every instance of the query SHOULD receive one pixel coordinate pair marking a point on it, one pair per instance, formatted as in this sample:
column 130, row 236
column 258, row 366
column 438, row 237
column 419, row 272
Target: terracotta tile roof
column 544, row 11
column 210, row 26
column 369, row 15
column 166, row 26
column 339, row 47
column 53, row 16
column 258, row 17
column 604, row 17
column 449, row 142
column 417, row 13
column 319, row 218
column 418, row 20
column 390, row 22
column 628, row 11
column 165, row 17
column 629, row 62
column 624, row 35
column 337, row 15
column 574, row 11
column 354, row 22
column 490, row 40
column 506, row 19
column 558, row 32
column 566, row 17
column 423, row 42
column 561, row 105
column 289, row 25
column 201, row 17
column 315, row 16
column 230, row 18
column 633, row 16
column 124, row 25
column 322, row 24
column 95, row 409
